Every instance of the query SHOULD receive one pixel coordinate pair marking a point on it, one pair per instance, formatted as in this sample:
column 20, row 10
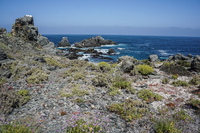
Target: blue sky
column 121, row 17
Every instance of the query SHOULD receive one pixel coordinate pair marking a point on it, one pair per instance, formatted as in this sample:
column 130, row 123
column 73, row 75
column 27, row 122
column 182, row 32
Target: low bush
column 147, row 95
column 104, row 67
column 102, row 80
column 145, row 69
column 37, row 76
column 184, row 63
column 130, row 109
column 180, row 83
column 165, row 81
column 195, row 81
column 175, row 76
column 10, row 100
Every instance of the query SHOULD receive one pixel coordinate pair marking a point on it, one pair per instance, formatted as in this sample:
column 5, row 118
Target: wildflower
column 33, row 131
column 26, row 124
column 80, row 126
column 14, row 125
column 63, row 128
column 83, row 130
column 5, row 122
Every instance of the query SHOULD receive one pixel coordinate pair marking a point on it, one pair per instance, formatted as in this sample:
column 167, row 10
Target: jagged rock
column 3, row 56
column 26, row 20
column 42, row 40
column 72, row 56
column 2, row 31
column 64, row 43
column 94, row 42
column 90, row 50
column 179, row 56
column 110, row 51
column 153, row 58
column 175, row 69
column 24, row 27
column 195, row 65
column 131, row 59
column 126, row 66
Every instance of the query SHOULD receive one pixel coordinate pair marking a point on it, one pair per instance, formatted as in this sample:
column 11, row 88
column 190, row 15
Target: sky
column 115, row 17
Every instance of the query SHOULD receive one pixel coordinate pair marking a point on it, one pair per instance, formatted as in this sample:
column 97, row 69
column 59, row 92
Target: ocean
column 140, row 47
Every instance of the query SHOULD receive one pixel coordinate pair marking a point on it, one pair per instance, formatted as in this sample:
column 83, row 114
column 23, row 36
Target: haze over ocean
column 108, row 17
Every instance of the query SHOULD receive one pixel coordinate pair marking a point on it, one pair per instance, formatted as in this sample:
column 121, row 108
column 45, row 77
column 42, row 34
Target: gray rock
column 42, row 40
column 3, row 31
column 127, row 66
column 64, row 43
column 125, row 58
column 153, row 58
column 3, row 56
column 195, row 65
column 94, row 42
column 110, row 51
column 26, row 20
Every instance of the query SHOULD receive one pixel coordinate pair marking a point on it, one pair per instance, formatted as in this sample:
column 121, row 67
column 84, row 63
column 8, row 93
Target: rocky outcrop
column 110, row 51
column 153, row 58
column 26, row 32
column 94, row 42
column 24, row 27
column 126, row 66
column 64, row 43
column 195, row 65
column 179, row 56
column 3, row 31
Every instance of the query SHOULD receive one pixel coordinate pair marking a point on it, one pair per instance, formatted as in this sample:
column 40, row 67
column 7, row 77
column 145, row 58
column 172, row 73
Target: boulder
column 94, row 42
column 153, row 58
column 110, row 51
column 3, row 31
column 72, row 56
column 90, row 50
column 64, row 43
column 131, row 59
column 42, row 40
column 3, row 56
column 195, row 65
column 127, row 66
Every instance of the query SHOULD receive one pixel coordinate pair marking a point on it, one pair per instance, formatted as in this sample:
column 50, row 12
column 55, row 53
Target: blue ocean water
column 140, row 47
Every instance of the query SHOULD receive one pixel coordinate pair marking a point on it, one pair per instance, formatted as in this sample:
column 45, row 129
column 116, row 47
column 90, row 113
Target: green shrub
column 2, row 81
column 135, row 71
column 75, row 91
column 130, row 109
column 71, row 71
column 145, row 69
column 23, row 92
column 79, row 75
column 175, row 76
column 9, row 35
column 180, row 83
column 114, row 91
column 104, row 67
column 10, row 100
column 146, row 62
column 147, row 94
column 53, row 62
column 121, row 83
column 195, row 102
column 165, row 81
column 184, row 63
column 37, row 76
column 165, row 126
column 113, row 65
column 195, row 81
column 102, row 80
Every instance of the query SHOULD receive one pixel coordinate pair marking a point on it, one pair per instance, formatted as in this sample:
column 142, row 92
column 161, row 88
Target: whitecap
column 163, row 52
column 105, row 51
column 85, row 56
column 120, row 48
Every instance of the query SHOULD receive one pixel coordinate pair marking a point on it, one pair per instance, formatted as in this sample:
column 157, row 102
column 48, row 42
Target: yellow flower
column 91, row 128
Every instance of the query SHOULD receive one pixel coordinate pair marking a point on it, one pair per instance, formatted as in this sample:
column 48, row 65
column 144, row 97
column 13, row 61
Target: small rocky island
column 43, row 91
